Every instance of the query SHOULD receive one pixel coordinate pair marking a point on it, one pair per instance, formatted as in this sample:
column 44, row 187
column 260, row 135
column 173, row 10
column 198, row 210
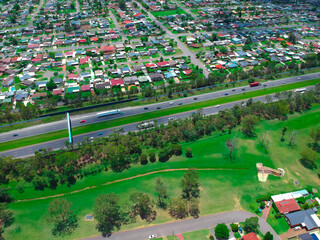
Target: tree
column 309, row 158
column 108, row 214
column 161, row 190
column 234, row 227
column 231, row 146
column 268, row 236
column 4, row 195
column 190, row 184
column 221, row 231
column 283, row 132
column 194, row 209
column 292, row 138
column 143, row 206
column 163, row 155
column 251, row 225
column 6, row 215
column 51, row 85
column 62, row 217
column 143, row 159
column 315, row 135
column 248, row 125
column 178, row 208
column 152, row 157
column 292, row 38
column 188, row 152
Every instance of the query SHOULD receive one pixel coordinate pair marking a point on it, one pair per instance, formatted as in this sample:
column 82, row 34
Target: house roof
column 250, row 236
column 163, row 64
column 287, row 206
column 116, row 82
column 306, row 236
column 306, row 217
column 85, row 87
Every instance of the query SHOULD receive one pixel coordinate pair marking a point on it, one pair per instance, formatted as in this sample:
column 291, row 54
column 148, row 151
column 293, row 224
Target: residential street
column 189, row 225
column 35, row 13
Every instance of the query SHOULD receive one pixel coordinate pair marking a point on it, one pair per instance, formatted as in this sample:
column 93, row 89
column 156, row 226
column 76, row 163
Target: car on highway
column 283, row 82
column 158, row 107
column 171, row 103
column 233, row 90
column 91, row 138
column 299, row 78
column 195, row 98
column 226, row 94
column 99, row 133
column 264, row 85
column 216, row 106
column 180, row 103
column 82, row 121
column 171, row 118
column 40, row 150
column 15, row 135
column 152, row 236
column 146, row 108
column 243, row 89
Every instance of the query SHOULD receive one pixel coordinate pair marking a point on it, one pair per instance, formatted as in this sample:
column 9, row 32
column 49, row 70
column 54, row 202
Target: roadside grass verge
column 278, row 224
column 150, row 115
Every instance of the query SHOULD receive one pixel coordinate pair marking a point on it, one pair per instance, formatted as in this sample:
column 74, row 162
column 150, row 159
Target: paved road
column 60, row 143
column 130, row 111
column 77, row 6
column 189, row 226
column 115, row 21
column 35, row 13
column 180, row 45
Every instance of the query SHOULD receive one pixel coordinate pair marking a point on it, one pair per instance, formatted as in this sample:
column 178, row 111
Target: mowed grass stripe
column 150, row 115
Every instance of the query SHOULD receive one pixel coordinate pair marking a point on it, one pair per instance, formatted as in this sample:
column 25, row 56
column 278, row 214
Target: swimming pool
column 314, row 236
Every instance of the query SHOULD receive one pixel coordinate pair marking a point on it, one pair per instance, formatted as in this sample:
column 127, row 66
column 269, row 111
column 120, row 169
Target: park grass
column 199, row 235
column 225, row 184
column 167, row 13
column 150, row 115
column 278, row 224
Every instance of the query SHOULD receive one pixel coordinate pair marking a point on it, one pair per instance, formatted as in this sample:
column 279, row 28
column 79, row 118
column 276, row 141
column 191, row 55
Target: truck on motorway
column 254, row 84
column 300, row 90
column 108, row 113
column 145, row 125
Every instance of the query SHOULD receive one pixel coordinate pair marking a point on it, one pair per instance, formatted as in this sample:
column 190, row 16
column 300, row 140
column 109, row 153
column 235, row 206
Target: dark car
column 180, row 103
column 243, row 89
column 40, row 150
column 233, row 90
column 158, row 107
column 99, row 133
column 146, row 108
column 15, row 135
column 195, row 98
column 226, row 94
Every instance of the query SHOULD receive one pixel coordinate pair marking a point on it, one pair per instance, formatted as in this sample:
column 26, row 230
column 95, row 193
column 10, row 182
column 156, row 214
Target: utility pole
column 69, row 128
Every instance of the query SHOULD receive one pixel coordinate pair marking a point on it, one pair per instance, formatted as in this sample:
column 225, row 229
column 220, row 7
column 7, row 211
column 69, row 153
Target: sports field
column 225, row 184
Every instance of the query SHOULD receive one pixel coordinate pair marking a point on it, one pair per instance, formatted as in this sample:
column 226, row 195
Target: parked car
column 297, row 228
column 40, row 150
column 15, row 135
column 82, row 121
column 180, row 103
column 91, row 138
column 233, row 90
column 152, row 236
column 216, row 106
column 171, row 118
column 240, row 230
column 171, row 103
column 99, row 133
column 195, row 98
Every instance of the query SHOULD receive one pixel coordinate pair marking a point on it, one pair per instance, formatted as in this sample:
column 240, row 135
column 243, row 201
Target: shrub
column 152, row 157
column 188, row 152
column 301, row 200
column 164, row 155
column 263, row 198
column 143, row 159
column 234, row 227
column 262, row 205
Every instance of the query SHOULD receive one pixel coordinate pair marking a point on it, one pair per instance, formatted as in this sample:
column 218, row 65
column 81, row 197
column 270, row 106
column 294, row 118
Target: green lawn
column 167, row 13
column 278, row 224
column 198, row 235
column 225, row 184
column 151, row 115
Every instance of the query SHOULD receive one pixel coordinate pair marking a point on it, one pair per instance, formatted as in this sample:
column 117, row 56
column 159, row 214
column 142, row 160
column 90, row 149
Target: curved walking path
column 129, row 178
column 189, row 225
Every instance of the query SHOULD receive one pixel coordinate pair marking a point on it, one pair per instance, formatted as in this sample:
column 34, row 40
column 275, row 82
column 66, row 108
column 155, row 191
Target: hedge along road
column 42, row 138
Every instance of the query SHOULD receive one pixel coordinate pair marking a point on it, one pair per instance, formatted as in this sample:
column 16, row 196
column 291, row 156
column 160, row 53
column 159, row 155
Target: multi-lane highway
column 130, row 111
column 60, row 143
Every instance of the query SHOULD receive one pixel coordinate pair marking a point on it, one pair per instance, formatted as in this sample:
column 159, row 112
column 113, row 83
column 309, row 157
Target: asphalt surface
column 130, row 111
column 35, row 14
column 60, row 143
column 189, row 225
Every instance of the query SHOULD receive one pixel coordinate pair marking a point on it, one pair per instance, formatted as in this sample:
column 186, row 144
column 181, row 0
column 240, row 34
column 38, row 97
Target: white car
column 171, row 118
column 216, row 106
column 152, row 236
column 171, row 103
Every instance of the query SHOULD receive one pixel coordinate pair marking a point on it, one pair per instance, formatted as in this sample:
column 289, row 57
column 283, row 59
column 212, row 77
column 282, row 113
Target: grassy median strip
column 150, row 115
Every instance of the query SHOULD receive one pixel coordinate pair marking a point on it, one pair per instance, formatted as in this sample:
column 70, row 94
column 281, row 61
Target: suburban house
column 306, row 218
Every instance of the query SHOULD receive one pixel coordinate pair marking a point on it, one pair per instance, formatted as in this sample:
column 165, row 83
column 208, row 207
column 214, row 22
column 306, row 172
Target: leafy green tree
column 143, row 206
column 315, row 135
column 194, row 209
column 283, row 132
column 234, row 227
column 5, row 197
column 51, row 85
column 268, row 236
column 178, row 208
column 108, row 214
column 161, row 190
column 292, row 38
column 188, row 152
column 62, row 217
column 190, row 184
column 248, row 125
column 309, row 158
column 6, row 215
column 251, row 225
column 221, row 231
column 152, row 157
column 143, row 159
column 164, row 155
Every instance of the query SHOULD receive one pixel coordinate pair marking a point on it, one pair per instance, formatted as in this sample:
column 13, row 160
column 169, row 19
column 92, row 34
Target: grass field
column 151, row 115
column 225, row 184
column 167, row 13
column 198, row 235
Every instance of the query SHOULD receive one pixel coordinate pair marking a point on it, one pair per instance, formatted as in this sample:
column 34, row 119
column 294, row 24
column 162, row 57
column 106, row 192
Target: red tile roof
column 116, row 82
column 72, row 76
column 187, row 72
column 287, row 206
column 56, row 91
column 163, row 64
column 85, row 87
column 250, row 236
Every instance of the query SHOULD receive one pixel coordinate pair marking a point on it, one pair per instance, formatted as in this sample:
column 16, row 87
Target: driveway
column 189, row 225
